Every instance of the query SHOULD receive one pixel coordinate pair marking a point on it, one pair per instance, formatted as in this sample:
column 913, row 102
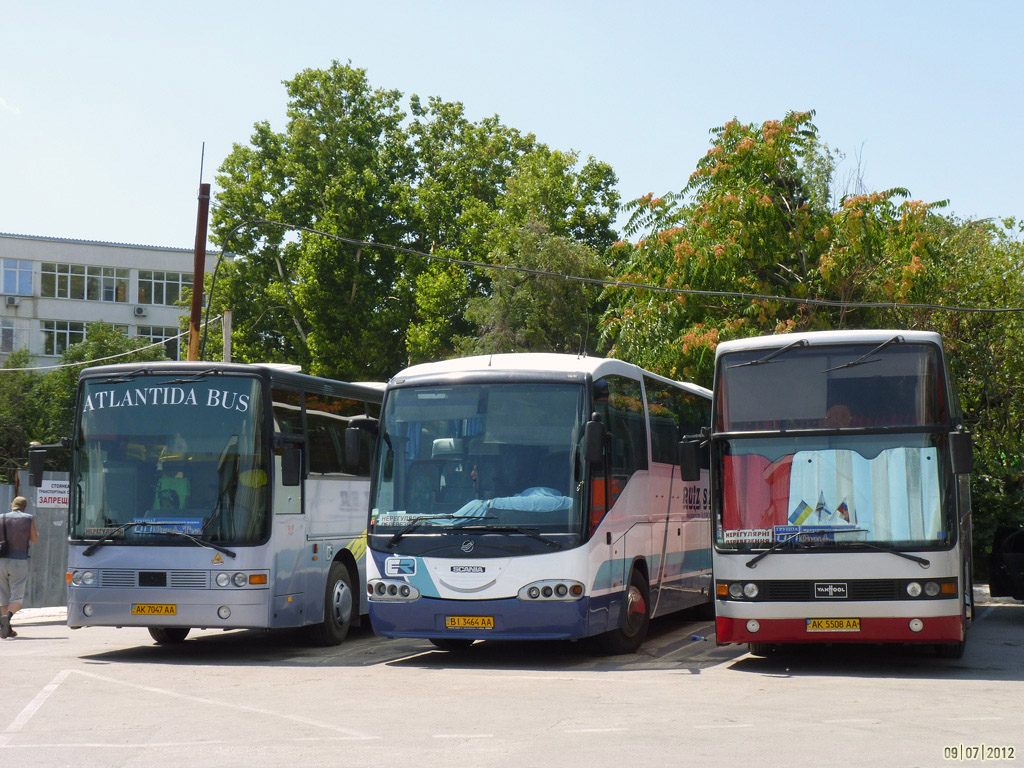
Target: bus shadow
column 992, row 653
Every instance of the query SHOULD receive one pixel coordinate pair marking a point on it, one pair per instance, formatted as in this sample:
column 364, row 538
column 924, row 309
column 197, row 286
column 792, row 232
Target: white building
column 52, row 288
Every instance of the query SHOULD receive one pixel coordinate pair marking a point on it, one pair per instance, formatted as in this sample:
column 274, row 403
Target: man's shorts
column 13, row 577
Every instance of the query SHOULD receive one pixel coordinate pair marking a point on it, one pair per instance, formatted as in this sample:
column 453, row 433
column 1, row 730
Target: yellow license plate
column 833, row 625
column 469, row 622
column 150, row 609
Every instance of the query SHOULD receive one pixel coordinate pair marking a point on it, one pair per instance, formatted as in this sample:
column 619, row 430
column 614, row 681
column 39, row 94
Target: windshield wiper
column 511, row 529
column 194, row 377
column 776, row 353
column 863, row 358
column 752, row 562
column 126, row 376
column 120, row 529
column 923, row 562
column 412, row 525
column 197, row 540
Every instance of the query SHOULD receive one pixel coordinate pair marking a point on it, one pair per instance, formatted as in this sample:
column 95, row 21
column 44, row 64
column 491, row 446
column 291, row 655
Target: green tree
column 19, row 412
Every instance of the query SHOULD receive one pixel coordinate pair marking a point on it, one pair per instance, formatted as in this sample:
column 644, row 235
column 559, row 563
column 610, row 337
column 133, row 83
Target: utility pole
column 198, row 271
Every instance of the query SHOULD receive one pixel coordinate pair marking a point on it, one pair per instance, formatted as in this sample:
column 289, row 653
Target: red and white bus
column 839, row 490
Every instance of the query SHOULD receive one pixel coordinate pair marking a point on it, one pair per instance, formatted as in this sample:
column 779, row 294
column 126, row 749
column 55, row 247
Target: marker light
column 257, row 578
column 949, row 588
column 913, row 589
column 576, row 589
column 916, row 625
column 722, row 590
column 753, row 625
column 224, row 612
column 223, row 579
column 931, row 589
column 750, row 590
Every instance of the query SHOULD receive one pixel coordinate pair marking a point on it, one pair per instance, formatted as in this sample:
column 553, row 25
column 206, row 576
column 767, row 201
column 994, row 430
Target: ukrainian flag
column 800, row 513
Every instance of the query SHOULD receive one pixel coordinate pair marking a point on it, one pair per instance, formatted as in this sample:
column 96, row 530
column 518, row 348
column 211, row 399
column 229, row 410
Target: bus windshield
column 832, row 386
column 489, row 457
column 163, row 453
column 834, row 490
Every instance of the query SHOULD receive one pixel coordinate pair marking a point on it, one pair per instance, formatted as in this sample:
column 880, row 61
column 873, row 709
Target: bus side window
column 619, row 401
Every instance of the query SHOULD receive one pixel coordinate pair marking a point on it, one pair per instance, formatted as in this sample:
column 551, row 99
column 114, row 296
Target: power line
column 108, row 357
column 895, row 305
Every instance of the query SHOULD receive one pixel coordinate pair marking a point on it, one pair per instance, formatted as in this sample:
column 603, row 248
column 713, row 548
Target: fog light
column 223, row 579
column 240, row 579
column 916, row 625
column 87, row 609
column 913, row 589
column 736, row 590
column 750, row 590
column 224, row 612
column 753, row 625
column 931, row 589
column 533, row 592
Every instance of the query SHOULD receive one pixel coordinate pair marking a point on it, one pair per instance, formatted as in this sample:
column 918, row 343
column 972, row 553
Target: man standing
column 18, row 529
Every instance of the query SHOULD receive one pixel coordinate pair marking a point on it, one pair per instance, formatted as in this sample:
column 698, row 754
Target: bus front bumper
column 102, row 607
column 871, row 629
column 512, row 619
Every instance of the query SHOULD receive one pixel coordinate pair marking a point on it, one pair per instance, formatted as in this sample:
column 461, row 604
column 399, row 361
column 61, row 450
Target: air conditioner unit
column 140, row 311
column 12, row 301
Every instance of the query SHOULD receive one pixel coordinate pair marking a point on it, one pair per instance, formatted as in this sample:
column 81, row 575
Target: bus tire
column 451, row 644
column 635, row 619
column 168, row 635
column 950, row 650
column 761, row 649
column 339, row 605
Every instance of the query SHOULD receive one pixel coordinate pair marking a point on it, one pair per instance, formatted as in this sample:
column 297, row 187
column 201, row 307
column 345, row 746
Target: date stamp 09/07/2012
column 979, row 752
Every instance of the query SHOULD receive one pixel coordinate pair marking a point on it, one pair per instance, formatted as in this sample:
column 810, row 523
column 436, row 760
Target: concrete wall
column 48, row 558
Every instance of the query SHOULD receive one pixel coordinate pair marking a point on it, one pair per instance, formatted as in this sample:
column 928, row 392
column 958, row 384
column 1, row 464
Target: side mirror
column 291, row 465
column 36, row 461
column 961, row 452
column 690, row 460
column 352, row 445
column 593, row 440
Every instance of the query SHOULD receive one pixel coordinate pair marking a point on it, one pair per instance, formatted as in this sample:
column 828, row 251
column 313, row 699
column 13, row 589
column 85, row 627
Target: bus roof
column 371, row 391
column 826, row 337
column 532, row 362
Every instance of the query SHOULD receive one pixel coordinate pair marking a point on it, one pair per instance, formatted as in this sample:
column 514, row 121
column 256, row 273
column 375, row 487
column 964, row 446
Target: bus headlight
column 931, row 589
column 750, row 590
column 223, row 579
column 240, row 579
column 88, row 577
column 736, row 590
column 76, row 578
column 913, row 589
column 552, row 589
column 391, row 591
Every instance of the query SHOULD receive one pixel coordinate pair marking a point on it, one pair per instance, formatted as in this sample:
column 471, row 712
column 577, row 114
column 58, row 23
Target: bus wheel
column 451, row 643
column 760, row 649
column 339, row 603
column 632, row 629
column 168, row 635
column 950, row 650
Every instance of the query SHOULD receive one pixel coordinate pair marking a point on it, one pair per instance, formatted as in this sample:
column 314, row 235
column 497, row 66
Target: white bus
column 215, row 495
column 840, row 492
column 535, row 496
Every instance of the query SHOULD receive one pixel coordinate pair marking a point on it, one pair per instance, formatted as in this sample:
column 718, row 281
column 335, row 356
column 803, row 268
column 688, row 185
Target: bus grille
column 111, row 577
column 857, row 589
column 188, row 579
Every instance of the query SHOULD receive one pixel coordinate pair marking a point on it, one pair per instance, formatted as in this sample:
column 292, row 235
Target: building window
column 13, row 335
column 17, row 277
column 58, row 335
column 153, row 334
column 162, row 287
column 75, row 281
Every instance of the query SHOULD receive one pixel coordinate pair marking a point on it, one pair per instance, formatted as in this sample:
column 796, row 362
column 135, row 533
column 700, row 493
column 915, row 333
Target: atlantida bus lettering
column 132, row 398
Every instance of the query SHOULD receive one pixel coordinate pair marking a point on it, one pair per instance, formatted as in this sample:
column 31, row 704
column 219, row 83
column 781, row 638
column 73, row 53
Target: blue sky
column 104, row 106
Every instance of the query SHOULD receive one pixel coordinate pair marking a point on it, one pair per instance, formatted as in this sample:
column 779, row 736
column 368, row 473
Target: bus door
column 288, row 528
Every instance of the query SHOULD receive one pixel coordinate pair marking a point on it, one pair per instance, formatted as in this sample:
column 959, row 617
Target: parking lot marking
column 728, row 725
column 594, row 730
column 228, row 704
column 463, row 735
column 33, row 706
